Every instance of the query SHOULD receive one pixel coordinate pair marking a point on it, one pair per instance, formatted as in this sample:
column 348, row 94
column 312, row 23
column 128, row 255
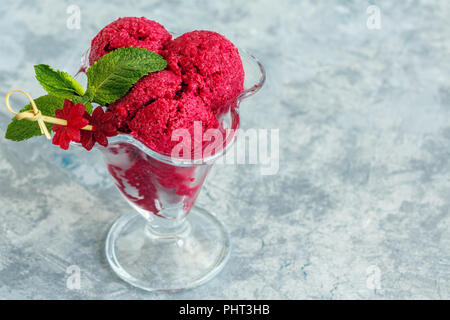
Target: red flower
column 73, row 113
column 103, row 127
column 87, row 139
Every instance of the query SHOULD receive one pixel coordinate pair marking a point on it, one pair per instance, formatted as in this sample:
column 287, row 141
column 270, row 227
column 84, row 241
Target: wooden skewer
column 36, row 115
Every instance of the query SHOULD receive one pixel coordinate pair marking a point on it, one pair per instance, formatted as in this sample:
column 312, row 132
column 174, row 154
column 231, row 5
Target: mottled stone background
column 360, row 205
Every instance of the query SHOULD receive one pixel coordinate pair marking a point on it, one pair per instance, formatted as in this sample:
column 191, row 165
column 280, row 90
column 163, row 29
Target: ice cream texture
column 203, row 79
column 156, row 123
column 129, row 32
column 209, row 65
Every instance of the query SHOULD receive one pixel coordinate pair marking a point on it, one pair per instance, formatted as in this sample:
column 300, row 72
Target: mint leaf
column 85, row 100
column 57, row 83
column 112, row 75
column 19, row 130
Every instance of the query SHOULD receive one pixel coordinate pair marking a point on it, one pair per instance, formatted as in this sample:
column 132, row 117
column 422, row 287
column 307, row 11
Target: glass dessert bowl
column 167, row 243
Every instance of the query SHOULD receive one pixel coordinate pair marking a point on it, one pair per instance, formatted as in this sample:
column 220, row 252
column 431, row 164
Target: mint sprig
column 112, row 75
column 85, row 100
column 109, row 79
column 57, row 83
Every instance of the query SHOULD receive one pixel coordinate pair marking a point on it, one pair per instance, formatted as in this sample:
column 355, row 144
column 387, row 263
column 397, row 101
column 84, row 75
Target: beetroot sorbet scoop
column 209, row 65
column 129, row 32
column 156, row 123
column 162, row 84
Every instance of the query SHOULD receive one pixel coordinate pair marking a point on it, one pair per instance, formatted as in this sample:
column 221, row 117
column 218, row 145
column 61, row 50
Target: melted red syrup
column 151, row 184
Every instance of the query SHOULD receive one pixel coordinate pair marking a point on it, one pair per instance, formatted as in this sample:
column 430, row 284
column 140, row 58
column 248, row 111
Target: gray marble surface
column 360, row 206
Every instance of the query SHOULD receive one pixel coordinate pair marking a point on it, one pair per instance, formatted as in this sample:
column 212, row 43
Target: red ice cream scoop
column 209, row 65
column 129, row 32
column 156, row 123
column 163, row 84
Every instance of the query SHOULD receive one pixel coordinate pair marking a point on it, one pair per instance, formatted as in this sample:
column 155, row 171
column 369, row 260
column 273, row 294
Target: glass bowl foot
column 162, row 262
